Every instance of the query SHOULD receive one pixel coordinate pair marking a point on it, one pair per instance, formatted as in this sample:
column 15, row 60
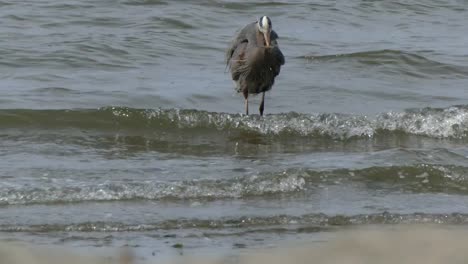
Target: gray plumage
column 253, row 64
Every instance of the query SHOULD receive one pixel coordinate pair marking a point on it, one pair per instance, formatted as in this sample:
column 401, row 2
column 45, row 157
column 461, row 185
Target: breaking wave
column 451, row 122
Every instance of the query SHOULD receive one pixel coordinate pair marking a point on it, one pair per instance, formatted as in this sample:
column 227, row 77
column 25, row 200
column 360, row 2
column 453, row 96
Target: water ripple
column 274, row 224
column 416, row 178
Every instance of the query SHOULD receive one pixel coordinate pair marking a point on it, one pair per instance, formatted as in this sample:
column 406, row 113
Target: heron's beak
column 267, row 38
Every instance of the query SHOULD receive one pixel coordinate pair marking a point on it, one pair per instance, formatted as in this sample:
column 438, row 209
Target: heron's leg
column 246, row 97
column 262, row 104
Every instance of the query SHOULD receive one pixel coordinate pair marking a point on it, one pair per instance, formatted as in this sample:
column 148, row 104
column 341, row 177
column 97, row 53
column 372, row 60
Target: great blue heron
column 255, row 59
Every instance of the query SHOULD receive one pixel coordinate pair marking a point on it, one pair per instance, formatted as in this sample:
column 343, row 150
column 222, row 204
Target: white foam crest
column 199, row 189
column 440, row 123
column 451, row 122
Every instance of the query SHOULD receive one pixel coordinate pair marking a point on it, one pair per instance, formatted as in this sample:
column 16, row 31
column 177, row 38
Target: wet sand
column 390, row 244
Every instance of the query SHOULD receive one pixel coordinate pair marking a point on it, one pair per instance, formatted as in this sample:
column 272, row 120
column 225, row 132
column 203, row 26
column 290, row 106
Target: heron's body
column 254, row 59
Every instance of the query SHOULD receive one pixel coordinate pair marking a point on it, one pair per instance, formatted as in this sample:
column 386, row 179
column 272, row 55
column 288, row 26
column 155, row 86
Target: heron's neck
column 260, row 39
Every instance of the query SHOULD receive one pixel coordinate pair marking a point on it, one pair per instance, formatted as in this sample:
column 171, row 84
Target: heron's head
column 264, row 26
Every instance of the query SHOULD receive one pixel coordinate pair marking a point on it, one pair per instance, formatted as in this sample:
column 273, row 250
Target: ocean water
column 120, row 126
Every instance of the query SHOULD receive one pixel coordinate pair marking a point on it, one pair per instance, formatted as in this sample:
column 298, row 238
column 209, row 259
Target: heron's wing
column 276, row 50
column 242, row 37
column 238, row 62
column 273, row 36
column 231, row 51
column 278, row 55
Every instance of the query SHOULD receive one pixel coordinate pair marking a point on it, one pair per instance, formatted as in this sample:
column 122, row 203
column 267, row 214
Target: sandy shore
column 407, row 244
